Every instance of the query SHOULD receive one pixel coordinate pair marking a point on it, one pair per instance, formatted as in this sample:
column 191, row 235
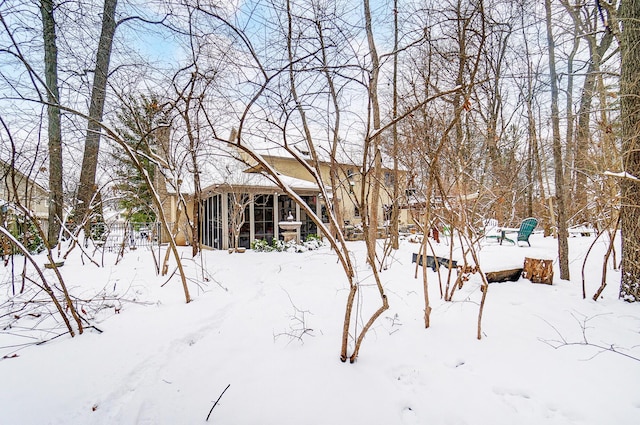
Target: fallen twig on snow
column 214, row 404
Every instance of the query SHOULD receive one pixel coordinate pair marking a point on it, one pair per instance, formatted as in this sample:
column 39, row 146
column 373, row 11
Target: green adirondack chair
column 526, row 229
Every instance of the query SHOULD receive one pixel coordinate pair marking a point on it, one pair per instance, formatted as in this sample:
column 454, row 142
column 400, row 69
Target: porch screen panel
column 263, row 217
column 240, row 215
column 216, row 219
column 308, row 226
column 211, row 226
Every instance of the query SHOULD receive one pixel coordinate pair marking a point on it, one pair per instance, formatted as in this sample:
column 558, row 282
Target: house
column 263, row 205
column 241, row 203
column 26, row 193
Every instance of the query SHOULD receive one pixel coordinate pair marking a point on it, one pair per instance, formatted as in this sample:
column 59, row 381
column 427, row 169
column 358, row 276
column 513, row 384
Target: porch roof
column 222, row 173
column 260, row 181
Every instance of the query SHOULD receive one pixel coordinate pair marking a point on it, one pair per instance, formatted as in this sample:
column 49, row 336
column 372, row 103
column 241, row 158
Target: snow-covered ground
column 268, row 325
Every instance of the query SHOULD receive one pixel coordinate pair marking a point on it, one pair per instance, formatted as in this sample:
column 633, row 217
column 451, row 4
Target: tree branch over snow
column 601, row 347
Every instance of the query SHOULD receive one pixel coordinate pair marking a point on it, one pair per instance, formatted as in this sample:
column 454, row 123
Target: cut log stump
column 511, row 275
column 538, row 270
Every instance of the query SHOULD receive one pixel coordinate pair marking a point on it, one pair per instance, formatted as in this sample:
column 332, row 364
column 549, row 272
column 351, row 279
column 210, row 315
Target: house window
column 211, row 225
column 286, row 206
column 239, row 219
column 308, row 226
column 263, row 217
column 389, row 178
column 356, row 211
column 350, row 176
column 324, row 213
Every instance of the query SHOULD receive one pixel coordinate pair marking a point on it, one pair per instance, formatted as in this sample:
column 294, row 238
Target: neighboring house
column 26, row 192
column 234, row 198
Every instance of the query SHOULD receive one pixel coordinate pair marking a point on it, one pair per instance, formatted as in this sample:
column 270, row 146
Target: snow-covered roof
column 23, row 166
column 226, row 171
column 260, row 180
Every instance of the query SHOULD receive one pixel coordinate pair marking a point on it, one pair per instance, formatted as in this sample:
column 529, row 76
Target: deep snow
column 162, row 361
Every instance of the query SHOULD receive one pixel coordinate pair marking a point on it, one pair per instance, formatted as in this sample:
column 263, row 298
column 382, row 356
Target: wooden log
column 538, row 270
column 510, row 275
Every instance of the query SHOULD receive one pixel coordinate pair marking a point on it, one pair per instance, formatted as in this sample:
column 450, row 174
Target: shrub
column 27, row 233
column 261, row 245
column 312, row 242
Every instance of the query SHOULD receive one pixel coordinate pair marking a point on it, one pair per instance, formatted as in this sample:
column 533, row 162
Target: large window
column 308, row 226
column 211, row 226
column 286, row 206
column 239, row 218
column 263, row 217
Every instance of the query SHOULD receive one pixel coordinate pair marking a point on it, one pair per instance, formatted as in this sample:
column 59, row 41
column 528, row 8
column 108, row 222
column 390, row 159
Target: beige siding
column 29, row 194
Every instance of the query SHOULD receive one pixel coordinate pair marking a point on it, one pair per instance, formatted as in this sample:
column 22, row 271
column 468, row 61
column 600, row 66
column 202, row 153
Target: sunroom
column 235, row 213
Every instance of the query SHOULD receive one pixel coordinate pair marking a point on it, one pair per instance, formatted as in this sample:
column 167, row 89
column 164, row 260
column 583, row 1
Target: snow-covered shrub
column 312, row 242
column 261, row 245
column 278, row 245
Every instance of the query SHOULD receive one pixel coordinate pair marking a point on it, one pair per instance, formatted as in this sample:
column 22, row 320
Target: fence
column 110, row 236
column 131, row 235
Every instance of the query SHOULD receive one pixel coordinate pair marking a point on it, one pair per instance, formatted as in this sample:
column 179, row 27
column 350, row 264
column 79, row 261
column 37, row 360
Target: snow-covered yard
column 269, row 325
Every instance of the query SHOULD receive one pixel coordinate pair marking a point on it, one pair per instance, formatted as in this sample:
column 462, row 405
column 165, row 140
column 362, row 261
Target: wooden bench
column 431, row 261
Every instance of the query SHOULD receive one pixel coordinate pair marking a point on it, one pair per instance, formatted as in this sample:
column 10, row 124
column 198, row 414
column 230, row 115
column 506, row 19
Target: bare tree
column 563, row 244
column 187, row 106
column 87, row 187
column 54, row 123
column 599, row 41
column 238, row 203
column 630, row 112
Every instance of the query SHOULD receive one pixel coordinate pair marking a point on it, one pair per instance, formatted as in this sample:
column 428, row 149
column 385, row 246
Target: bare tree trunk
column 570, row 118
column 372, row 200
column 563, row 245
column 583, row 131
column 87, row 186
column 630, row 112
column 197, row 207
column 189, row 97
column 395, row 207
column 533, row 168
column 54, row 124
column 334, row 173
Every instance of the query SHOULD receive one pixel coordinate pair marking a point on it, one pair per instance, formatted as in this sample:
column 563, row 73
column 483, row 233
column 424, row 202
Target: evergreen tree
column 138, row 120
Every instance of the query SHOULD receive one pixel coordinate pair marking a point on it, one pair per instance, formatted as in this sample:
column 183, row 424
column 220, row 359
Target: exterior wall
column 349, row 186
column 31, row 195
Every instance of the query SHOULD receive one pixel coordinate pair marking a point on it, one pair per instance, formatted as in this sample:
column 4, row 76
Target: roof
column 21, row 163
column 227, row 171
